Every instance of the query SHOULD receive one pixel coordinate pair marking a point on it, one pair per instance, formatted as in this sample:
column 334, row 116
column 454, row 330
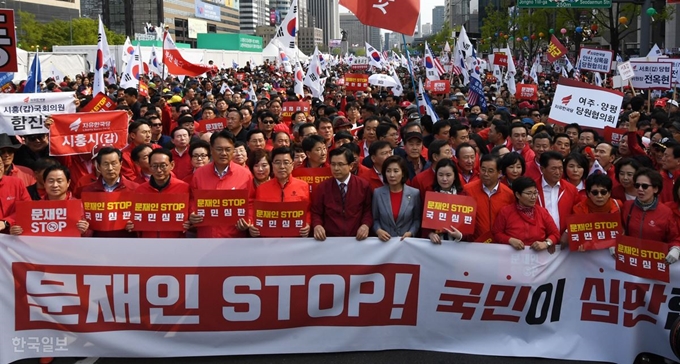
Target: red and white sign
column 79, row 133
column 527, row 92
column 213, row 125
column 107, row 211
column 614, row 135
column 99, row 102
column 290, row 107
column 9, row 62
column 49, row 218
column 438, row 86
column 175, row 62
column 593, row 231
column 642, row 258
column 220, row 207
column 358, row 64
column 500, row 59
column 652, row 75
column 313, row 176
column 25, row 114
column 441, row 211
column 159, row 212
column 588, row 105
column 596, row 60
column 280, row 219
column 356, row 82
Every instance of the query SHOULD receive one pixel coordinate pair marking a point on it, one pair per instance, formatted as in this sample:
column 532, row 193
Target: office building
column 427, row 29
column 309, row 38
column 325, row 15
column 456, row 13
column 438, row 18
column 253, row 13
column 358, row 34
column 45, row 10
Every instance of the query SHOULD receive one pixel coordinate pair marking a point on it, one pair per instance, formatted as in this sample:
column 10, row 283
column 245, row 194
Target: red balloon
column 594, row 27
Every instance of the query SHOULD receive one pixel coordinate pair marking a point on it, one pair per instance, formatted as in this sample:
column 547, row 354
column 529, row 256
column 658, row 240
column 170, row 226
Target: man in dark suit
column 341, row 206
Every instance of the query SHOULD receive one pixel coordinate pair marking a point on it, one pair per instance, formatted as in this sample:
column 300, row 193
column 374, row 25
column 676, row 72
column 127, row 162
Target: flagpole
column 35, row 70
column 410, row 68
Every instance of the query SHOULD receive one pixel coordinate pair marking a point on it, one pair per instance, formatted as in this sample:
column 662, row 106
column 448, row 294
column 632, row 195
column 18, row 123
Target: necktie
column 343, row 191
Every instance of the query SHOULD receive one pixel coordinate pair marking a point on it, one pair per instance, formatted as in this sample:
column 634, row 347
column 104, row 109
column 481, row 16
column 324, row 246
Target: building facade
column 251, row 14
column 325, row 15
column 457, row 13
column 358, row 34
column 309, row 38
column 267, row 32
column 45, row 10
column 438, row 18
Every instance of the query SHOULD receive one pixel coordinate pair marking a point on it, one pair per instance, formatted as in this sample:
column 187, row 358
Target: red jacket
column 533, row 170
column 237, row 178
column 669, row 179
column 85, row 180
column 129, row 169
column 371, row 176
column 423, row 181
column 567, row 198
column 125, row 185
column 527, row 153
column 22, row 173
column 488, row 208
column 183, row 167
column 79, row 165
column 12, row 190
column 659, row 224
column 511, row 224
column 294, row 190
column 328, row 211
column 175, row 186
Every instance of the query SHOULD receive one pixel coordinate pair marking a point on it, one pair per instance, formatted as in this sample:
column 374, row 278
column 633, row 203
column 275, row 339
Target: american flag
column 439, row 67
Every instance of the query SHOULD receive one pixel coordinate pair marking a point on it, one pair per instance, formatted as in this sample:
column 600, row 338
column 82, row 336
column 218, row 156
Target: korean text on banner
column 596, row 60
column 588, row 105
column 434, row 297
column 159, row 212
column 24, row 114
column 676, row 68
column 614, row 135
column 593, row 231
column 441, row 211
column 313, row 176
column 220, row 207
column 625, row 70
column 642, row 258
column 99, row 102
column 212, row 125
column 80, row 133
column 290, row 107
column 280, row 219
column 527, row 92
column 49, row 218
column 652, row 75
column 356, row 82
column 9, row 62
column 438, row 86
column 500, row 59
column 107, row 211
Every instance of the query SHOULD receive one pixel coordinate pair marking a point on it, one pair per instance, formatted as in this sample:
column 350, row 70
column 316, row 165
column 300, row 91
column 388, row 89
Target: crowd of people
column 526, row 175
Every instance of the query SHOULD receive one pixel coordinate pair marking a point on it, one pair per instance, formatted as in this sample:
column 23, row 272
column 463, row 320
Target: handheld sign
column 280, row 219
column 441, row 211
column 220, row 207
column 107, row 211
column 593, row 231
column 49, row 218
column 642, row 258
column 160, row 212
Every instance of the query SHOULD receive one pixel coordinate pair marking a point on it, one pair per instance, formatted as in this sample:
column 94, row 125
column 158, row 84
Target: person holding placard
column 396, row 207
column 447, row 180
column 260, row 166
column 599, row 192
column 525, row 223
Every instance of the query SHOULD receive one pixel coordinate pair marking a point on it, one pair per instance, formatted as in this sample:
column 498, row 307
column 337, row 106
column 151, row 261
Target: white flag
column 313, row 77
column 398, row 90
column 598, row 79
column 511, row 73
column 128, row 49
column 654, row 53
column 463, row 44
column 286, row 32
column 374, row 57
column 299, row 79
column 155, row 65
column 431, row 71
column 102, row 62
column 284, row 60
column 128, row 78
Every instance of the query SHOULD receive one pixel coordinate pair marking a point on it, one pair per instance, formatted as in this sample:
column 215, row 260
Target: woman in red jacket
column 525, row 223
column 447, row 180
column 646, row 218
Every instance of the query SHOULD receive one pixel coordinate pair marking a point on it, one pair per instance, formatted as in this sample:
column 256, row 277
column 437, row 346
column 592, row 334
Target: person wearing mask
column 180, row 156
column 396, row 207
column 447, row 180
column 542, row 142
column 283, row 187
column 625, row 169
column 200, row 156
column 576, row 171
column 647, row 218
column 525, row 223
column 555, row 194
column 140, row 156
column 518, row 141
column 379, row 152
column 139, row 132
column 259, row 164
column 341, row 206
column 490, row 194
column 314, row 147
column 222, row 174
column 57, row 180
column 423, row 182
column 161, row 181
column 8, row 146
column 467, row 160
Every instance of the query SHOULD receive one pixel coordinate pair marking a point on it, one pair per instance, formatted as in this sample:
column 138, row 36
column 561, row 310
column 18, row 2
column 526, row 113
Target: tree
column 81, row 31
column 360, row 52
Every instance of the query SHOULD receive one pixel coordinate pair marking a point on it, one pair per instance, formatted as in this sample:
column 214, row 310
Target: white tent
column 66, row 63
column 272, row 51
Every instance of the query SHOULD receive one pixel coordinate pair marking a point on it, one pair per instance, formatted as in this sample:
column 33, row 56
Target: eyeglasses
column 161, row 167
column 268, row 121
column 599, row 192
column 199, row 156
column 157, row 124
column 338, row 165
column 643, row 185
column 282, row 163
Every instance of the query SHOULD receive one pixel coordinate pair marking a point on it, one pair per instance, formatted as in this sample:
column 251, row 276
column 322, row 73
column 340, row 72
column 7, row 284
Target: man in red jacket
column 425, row 180
column 555, row 194
column 341, row 206
column 139, row 132
column 518, row 141
column 12, row 190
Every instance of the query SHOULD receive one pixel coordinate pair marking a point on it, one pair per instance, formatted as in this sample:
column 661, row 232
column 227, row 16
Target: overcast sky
column 425, row 9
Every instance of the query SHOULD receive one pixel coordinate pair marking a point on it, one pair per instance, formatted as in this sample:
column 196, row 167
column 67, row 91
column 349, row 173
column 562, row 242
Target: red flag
column 400, row 16
column 176, row 64
column 555, row 49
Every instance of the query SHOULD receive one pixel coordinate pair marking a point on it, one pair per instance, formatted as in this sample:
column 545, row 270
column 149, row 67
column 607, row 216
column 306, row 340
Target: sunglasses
column 268, row 121
column 156, row 124
column 643, row 185
column 599, row 192
column 34, row 138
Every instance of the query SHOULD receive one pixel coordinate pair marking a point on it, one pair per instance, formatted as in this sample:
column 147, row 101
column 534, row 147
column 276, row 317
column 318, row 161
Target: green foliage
column 438, row 40
column 360, row 52
column 79, row 31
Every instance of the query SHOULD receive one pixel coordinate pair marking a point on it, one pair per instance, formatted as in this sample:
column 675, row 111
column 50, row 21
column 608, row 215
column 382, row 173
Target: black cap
column 413, row 135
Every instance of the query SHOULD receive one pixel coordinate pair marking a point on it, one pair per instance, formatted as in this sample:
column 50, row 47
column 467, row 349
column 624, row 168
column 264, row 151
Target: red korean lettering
column 506, row 294
column 456, row 303
column 609, row 312
column 635, row 298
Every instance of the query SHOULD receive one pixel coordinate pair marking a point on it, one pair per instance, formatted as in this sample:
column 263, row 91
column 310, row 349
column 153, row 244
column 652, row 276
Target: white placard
column 625, row 70
column 676, row 68
column 652, row 75
column 588, row 105
column 596, row 60
column 23, row 114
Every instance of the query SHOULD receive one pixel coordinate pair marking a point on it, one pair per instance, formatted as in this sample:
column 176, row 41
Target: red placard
column 79, row 133
column 99, row 102
column 313, row 176
column 614, row 135
column 290, row 107
column 220, row 207
column 160, row 212
column 593, row 231
column 49, row 218
column 340, row 81
column 9, row 62
column 642, row 258
column 441, row 211
column 280, row 219
column 500, row 59
column 527, row 92
column 240, row 76
column 213, row 125
column 438, row 86
column 356, row 81
column 107, row 211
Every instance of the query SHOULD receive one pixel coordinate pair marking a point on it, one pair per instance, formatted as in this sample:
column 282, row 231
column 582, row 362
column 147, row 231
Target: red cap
column 524, row 104
column 404, row 104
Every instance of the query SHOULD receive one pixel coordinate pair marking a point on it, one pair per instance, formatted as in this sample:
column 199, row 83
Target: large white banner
column 588, row 105
column 652, row 75
column 676, row 68
column 23, row 114
column 173, row 298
